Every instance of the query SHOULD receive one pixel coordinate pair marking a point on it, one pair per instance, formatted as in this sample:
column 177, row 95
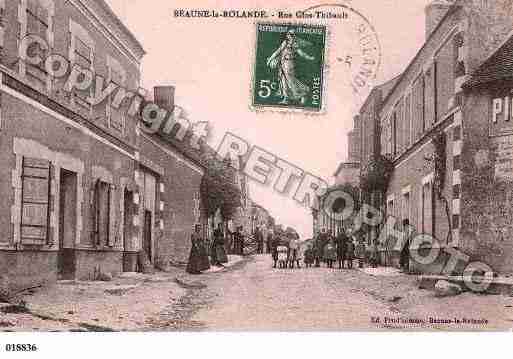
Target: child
column 330, row 254
column 361, row 249
column 283, row 252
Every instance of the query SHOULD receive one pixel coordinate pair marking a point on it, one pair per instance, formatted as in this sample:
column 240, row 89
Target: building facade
column 424, row 121
column 486, row 162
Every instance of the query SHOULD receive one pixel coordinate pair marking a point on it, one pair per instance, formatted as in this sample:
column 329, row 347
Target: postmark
column 289, row 66
column 361, row 55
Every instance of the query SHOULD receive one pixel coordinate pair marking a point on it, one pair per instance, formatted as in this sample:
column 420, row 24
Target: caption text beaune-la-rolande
column 258, row 14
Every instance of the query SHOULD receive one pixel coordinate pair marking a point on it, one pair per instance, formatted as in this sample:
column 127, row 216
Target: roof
column 384, row 88
column 454, row 7
column 344, row 165
column 498, row 67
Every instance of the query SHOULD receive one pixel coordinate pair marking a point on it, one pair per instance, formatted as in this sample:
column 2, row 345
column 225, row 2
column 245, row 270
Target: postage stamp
column 289, row 66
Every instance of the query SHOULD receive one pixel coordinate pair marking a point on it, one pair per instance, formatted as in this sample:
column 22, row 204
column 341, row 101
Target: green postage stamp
column 289, row 66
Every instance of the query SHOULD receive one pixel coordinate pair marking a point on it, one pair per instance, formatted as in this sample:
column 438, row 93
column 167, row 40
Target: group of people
column 286, row 254
column 328, row 249
column 325, row 248
column 198, row 259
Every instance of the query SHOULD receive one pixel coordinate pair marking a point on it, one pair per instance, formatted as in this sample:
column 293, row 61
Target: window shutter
column 400, row 127
column 390, row 137
column 35, row 201
column 418, row 107
column 116, row 115
column 430, row 96
column 395, row 140
column 111, row 237
column 95, row 212
column 407, row 120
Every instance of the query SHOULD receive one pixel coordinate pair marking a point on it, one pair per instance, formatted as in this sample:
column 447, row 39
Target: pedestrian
column 405, row 252
column 330, row 253
column 274, row 250
column 319, row 247
column 259, row 237
column 350, row 252
column 317, row 252
column 198, row 258
column 373, row 254
column 341, row 244
column 269, row 242
column 309, row 256
column 239, row 241
column 218, row 251
column 293, row 252
column 299, row 253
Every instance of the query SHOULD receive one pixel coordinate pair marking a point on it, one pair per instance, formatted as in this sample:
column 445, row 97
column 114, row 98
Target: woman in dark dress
column 341, row 249
column 198, row 259
column 218, row 251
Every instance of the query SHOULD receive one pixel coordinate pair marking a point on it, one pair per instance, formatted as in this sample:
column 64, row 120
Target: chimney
column 435, row 11
column 164, row 97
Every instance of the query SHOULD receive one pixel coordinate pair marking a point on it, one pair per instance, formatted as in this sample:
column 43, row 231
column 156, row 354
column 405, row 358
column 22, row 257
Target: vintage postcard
column 220, row 166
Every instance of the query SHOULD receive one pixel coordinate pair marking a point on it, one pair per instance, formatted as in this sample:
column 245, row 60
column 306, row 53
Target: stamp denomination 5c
column 289, row 66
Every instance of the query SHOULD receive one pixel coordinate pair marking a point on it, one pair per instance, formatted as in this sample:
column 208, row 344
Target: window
column 430, row 96
column 418, row 108
column 2, row 14
column 456, row 190
column 390, row 207
column 196, row 207
column 393, row 125
column 100, row 214
column 37, row 21
column 81, row 53
column 387, row 137
column 407, row 121
column 456, row 162
column 406, row 207
column 35, row 201
column 400, row 127
column 2, row 24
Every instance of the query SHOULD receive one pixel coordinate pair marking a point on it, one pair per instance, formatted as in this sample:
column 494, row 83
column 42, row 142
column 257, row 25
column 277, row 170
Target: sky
column 209, row 61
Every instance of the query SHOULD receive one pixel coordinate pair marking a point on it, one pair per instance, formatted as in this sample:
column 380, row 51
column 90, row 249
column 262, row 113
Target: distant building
column 349, row 171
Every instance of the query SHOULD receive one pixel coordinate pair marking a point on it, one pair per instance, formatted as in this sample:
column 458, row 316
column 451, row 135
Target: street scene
column 250, row 295
column 323, row 170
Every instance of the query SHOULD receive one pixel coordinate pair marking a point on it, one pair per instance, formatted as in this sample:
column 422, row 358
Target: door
column 67, row 224
column 147, row 234
column 127, row 218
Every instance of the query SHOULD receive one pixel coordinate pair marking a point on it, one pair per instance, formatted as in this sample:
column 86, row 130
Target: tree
column 219, row 189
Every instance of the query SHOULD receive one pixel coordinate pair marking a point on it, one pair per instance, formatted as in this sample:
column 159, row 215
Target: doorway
column 147, row 235
column 67, row 224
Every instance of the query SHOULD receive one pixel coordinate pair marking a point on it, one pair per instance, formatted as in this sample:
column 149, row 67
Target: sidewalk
column 126, row 303
column 232, row 260
column 381, row 271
